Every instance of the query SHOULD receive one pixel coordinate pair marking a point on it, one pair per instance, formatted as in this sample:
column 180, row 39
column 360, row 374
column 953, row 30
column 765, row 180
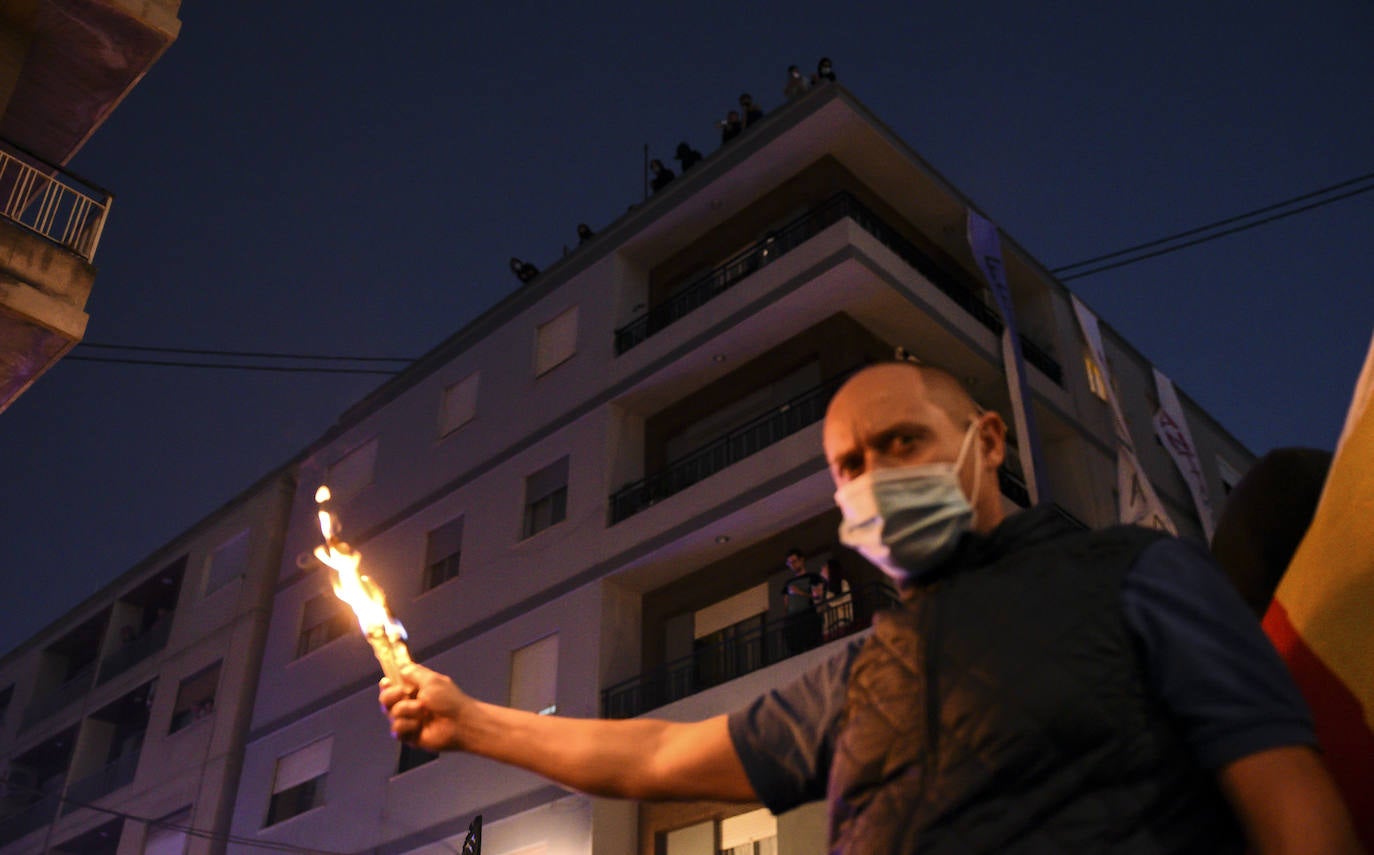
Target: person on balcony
column 797, row 84
column 730, row 126
column 662, row 175
column 1041, row 688
column 686, row 156
column 800, row 595
column 752, row 112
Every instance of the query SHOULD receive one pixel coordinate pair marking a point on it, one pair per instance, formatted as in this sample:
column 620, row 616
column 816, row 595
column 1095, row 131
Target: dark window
column 546, row 497
column 296, row 800
column 443, row 552
column 412, row 757
column 195, row 698
column 323, row 619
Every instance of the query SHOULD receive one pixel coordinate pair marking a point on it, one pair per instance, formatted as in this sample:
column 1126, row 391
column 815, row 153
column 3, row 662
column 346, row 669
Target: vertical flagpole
column 987, row 251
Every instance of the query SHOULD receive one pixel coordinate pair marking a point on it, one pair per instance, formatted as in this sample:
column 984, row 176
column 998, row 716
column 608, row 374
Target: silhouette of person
column 686, row 156
column 523, row 270
column 825, row 72
column 730, row 126
column 584, row 233
column 752, row 112
column 797, row 84
column 663, row 176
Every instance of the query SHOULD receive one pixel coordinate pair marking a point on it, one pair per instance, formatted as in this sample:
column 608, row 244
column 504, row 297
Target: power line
column 258, row 354
column 1213, row 236
column 229, row 366
column 1222, row 222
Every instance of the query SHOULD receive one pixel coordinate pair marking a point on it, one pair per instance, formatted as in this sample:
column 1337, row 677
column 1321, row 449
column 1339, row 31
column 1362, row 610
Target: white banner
column 987, row 251
column 1172, row 429
column 1137, row 502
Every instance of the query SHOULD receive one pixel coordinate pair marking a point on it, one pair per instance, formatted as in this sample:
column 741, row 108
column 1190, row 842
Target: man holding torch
column 1041, row 688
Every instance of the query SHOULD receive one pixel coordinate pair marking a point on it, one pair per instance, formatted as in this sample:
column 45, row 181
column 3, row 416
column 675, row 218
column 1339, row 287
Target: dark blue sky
column 352, row 177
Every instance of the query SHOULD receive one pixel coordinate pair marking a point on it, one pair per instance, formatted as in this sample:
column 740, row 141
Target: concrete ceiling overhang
column 82, row 58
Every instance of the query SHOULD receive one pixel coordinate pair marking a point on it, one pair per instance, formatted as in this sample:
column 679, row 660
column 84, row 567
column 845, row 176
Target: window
column 699, row 839
column 167, row 836
column 458, row 405
column 555, row 342
column 412, row 757
column 753, row 833
column 534, row 676
column 228, row 562
column 298, row 784
column 1096, row 382
column 323, row 619
column 195, row 698
column 546, row 497
column 353, row 471
column 443, row 553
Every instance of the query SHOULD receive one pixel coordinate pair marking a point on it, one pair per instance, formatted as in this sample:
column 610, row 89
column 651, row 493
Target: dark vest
column 1004, row 709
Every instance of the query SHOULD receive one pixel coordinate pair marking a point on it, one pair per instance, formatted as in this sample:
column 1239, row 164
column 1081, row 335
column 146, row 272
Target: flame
column 364, row 596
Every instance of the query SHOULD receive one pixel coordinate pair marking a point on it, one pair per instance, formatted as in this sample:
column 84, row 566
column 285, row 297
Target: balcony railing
column 56, row 204
column 750, row 438
column 29, row 818
column 135, row 651
column 116, row 774
column 777, row 244
column 755, row 644
column 75, row 686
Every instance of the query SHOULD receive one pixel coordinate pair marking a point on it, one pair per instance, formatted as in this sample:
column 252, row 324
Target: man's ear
column 992, row 440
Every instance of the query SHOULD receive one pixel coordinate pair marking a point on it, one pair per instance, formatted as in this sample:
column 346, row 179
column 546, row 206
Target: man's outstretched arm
column 635, row 758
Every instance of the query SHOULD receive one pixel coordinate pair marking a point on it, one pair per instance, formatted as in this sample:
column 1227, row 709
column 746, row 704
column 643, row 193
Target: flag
column 1137, row 501
column 1320, row 618
column 987, row 251
column 1172, row 429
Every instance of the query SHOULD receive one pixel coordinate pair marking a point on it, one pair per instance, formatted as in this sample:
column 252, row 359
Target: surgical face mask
column 907, row 519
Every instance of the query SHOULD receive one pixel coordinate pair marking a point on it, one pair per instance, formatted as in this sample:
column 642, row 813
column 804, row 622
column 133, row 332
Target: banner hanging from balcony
column 987, row 251
column 1172, row 429
column 1137, row 501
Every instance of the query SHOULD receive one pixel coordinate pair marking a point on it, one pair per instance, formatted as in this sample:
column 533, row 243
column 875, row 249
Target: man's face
column 795, row 563
column 883, row 418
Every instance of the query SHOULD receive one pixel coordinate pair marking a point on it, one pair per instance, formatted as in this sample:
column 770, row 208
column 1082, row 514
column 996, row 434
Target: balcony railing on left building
column 46, row 199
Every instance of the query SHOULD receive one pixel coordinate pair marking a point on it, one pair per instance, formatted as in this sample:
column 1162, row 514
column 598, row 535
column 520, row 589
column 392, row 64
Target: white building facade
column 581, row 502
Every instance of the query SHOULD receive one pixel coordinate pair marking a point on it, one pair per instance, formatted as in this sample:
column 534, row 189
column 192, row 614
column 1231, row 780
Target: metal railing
column 45, row 199
column 75, row 686
column 135, row 651
column 753, row 644
column 777, row 244
column 750, row 438
column 116, row 774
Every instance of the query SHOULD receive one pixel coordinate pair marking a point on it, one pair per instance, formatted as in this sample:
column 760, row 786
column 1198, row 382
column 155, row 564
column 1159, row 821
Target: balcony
column 74, row 687
column 136, row 650
column 48, row 201
column 752, row 437
column 746, row 647
column 92, row 787
column 840, row 206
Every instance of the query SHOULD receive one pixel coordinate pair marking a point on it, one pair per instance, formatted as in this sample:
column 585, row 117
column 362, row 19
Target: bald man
column 1041, row 688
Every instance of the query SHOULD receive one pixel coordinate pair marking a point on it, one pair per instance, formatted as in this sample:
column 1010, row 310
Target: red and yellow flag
column 1322, row 616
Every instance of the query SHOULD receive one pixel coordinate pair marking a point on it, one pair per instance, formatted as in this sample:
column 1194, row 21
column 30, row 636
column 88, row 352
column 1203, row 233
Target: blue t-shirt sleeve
column 785, row 737
column 1208, row 659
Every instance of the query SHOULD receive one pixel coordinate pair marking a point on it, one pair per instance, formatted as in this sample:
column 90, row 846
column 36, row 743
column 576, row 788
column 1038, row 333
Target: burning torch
column 364, row 596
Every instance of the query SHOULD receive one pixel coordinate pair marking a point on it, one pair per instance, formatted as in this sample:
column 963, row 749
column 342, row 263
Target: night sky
column 351, row 178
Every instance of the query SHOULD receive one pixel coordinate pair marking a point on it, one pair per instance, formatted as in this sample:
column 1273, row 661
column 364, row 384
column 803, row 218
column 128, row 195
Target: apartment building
column 64, row 67
column 580, row 503
column 122, row 724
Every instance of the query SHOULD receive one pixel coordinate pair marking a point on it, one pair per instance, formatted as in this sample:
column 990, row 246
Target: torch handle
column 391, row 655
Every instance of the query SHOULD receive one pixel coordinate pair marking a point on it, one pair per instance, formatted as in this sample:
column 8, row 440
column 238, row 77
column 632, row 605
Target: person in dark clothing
column 662, row 175
column 584, row 233
column 825, row 72
column 800, row 594
column 1265, row 519
column 686, row 156
column 1041, row 689
column 523, row 270
column 730, row 126
column 752, row 112
column 797, row 84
